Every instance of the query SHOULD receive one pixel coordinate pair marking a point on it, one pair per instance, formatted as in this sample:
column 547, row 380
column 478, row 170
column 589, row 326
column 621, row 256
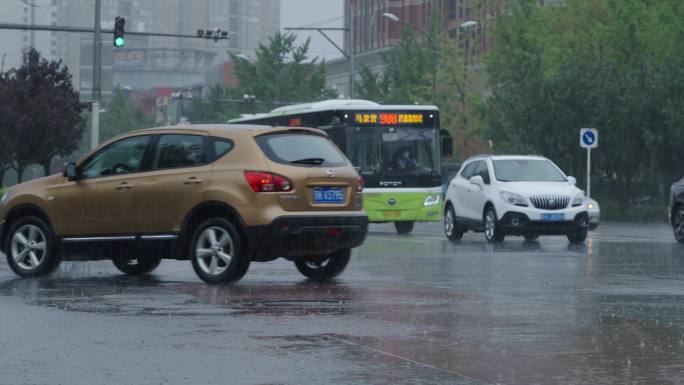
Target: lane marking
column 405, row 359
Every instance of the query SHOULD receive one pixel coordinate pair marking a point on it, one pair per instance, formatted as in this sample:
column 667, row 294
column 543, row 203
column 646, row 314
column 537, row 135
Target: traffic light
column 119, row 39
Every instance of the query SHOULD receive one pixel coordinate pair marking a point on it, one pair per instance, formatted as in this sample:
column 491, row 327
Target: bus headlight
column 431, row 200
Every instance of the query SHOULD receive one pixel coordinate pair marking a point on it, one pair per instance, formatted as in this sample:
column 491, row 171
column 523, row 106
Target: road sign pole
column 588, row 139
column 588, row 172
column 97, row 73
column 95, row 125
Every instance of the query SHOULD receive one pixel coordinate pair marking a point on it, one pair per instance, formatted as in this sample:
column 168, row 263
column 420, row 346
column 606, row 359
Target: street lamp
column 426, row 35
column 391, row 16
column 466, row 47
column 276, row 73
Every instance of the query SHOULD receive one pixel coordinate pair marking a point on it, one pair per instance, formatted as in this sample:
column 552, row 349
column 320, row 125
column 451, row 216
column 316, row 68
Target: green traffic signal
column 119, row 32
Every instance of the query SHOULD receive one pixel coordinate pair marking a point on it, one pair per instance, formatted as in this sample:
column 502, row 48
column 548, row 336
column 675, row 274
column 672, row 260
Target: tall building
column 15, row 42
column 146, row 62
column 375, row 32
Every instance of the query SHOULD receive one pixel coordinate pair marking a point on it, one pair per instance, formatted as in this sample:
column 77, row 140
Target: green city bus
column 397, row 149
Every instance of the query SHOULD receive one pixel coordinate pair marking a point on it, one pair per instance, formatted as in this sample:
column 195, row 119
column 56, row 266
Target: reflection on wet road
column 409, row 310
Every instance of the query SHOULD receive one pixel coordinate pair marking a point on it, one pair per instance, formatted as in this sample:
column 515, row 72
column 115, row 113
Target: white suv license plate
column 553, row 217
column 328, row 195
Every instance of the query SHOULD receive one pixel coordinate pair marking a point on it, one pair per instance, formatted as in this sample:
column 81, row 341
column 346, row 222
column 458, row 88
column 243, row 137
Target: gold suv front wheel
column 30, row 247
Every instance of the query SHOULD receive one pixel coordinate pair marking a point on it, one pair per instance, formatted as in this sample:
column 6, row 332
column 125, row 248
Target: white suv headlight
column 579, row 199
column 513, row 198
column 431, row 200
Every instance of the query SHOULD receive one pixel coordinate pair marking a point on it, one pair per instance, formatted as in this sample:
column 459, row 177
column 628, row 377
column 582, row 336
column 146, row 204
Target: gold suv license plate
column 391, row 214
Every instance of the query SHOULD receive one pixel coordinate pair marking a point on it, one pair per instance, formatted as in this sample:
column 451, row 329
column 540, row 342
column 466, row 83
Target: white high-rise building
column 15, row 42
column 146, row 62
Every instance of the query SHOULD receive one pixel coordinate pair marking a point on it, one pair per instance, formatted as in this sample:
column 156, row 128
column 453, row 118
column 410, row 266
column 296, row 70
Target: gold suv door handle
column 193, row 180
column 124, row 186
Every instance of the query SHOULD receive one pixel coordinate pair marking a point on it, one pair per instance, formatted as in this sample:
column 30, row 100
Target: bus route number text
column 388, row 118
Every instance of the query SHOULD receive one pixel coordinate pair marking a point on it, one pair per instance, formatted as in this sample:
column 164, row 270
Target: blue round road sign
column 588, row 137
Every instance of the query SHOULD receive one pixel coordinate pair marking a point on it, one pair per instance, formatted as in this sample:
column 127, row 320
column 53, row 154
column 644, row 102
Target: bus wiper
column 315, row 161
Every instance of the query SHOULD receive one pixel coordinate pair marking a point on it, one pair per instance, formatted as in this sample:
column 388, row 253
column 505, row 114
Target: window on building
column 453, row 4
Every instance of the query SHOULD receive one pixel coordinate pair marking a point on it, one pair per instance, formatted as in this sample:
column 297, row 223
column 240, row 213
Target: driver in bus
column 406, row 161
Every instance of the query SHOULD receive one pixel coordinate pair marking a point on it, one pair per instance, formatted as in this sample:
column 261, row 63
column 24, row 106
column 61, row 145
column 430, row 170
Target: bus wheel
column 404, row 227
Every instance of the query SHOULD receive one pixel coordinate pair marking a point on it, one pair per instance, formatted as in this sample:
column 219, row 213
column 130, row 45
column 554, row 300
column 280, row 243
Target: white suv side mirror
column 572, row 180
column 478, row 181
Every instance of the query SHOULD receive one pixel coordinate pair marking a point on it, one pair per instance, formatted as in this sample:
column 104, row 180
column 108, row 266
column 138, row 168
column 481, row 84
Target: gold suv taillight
column 261, row 181
column 359, row 184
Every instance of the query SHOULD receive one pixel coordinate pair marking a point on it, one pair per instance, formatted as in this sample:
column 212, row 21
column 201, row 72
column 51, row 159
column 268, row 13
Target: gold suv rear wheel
column 217, row 254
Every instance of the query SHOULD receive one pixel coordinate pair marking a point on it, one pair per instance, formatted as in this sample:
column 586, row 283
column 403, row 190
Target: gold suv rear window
column 301, row 150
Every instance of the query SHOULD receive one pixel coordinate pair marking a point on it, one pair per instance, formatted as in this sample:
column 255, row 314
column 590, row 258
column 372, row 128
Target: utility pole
column 97, row 77
column 32, row 34
column 351, row 49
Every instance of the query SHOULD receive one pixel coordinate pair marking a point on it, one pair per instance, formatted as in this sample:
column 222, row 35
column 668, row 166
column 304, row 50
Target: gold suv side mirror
column 70, row 171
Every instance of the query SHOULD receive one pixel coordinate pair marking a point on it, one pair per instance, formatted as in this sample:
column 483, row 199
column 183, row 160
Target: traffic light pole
column 97, row 57
column 62, row 28
column 97, row 78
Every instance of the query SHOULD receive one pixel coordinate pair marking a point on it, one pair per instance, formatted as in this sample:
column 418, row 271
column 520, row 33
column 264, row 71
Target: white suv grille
column 550, row 202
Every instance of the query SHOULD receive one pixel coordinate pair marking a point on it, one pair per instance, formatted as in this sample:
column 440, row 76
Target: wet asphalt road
column 409, row 310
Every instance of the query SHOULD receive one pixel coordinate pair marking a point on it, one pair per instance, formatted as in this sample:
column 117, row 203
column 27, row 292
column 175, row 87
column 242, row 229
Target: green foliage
column 615, row 65
column 282, row 72
column 411, row 67
column 121, row 115
column 408, row 69
column 371, row 85
column 211, row 109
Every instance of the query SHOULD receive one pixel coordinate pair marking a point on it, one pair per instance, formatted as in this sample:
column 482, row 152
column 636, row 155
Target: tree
column 372, row 85
column 407, row 68
column 8, row 118
column 121, row 116
column 49, row 119
column 407, row 76
column 614, row 65
column 282, row 72
column 215, row 106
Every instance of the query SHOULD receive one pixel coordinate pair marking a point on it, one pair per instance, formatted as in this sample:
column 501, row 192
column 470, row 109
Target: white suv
column 514, row 195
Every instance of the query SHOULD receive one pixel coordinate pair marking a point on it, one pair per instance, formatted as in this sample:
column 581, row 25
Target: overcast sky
column 315, row 13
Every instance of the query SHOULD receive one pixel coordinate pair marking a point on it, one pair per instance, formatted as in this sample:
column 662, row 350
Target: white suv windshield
column 526, row 170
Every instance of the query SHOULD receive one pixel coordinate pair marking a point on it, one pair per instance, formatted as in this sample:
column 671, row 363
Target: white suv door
column 476, row 196
column 462, row 188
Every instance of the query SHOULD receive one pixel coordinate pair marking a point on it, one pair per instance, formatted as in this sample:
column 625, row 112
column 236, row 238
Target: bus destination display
column 389, row 118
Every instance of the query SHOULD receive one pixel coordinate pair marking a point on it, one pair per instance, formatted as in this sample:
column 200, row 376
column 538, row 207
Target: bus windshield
column 394, row 152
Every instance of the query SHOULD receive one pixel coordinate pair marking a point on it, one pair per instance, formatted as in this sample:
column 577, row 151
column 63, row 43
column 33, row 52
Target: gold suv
column 219, row 195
